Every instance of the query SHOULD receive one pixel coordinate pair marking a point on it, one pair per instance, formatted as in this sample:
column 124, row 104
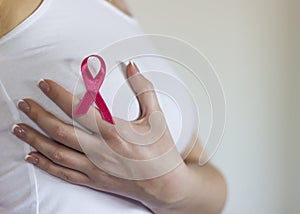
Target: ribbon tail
column 84, row 105
column 104, row 111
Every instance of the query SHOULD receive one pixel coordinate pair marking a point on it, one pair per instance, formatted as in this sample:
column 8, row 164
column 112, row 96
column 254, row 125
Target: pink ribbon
column 93, row 85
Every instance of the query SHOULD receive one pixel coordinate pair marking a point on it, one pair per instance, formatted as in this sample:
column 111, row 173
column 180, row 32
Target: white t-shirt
column 51, row 44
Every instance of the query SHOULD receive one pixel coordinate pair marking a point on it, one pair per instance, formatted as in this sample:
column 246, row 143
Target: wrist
column 168, row 193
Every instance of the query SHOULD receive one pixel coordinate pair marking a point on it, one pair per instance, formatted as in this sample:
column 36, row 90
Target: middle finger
column 52, row 126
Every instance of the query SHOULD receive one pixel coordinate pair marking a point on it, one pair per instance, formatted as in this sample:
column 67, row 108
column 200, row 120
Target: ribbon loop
column 92, row 85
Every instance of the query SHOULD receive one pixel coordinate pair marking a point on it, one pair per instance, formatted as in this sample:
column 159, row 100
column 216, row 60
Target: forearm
column 207, row 190
column 197, row 190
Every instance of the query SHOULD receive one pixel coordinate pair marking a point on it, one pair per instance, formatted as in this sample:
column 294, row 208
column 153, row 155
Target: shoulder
column 121, row 5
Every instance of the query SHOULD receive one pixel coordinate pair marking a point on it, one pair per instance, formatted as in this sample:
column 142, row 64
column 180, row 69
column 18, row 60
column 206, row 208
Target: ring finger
column 59, row 154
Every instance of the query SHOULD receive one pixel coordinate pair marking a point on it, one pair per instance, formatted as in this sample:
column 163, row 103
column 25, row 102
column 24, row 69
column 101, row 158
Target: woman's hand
column 111, row 158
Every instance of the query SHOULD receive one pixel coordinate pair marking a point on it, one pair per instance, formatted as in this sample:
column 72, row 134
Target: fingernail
column 44, row 86
column 18, row 131
column 31, row 159
column 23, row 106
column 133, row 65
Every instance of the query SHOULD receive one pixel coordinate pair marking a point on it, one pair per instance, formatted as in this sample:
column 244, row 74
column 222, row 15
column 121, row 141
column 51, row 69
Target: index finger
column 66, row 101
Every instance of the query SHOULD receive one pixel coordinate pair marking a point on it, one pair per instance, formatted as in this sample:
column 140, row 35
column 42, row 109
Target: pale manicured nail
column 131, row 63
column 134, row 66
column 43, row 85
column 23, row 106
column 18, row 131
column 31, row 159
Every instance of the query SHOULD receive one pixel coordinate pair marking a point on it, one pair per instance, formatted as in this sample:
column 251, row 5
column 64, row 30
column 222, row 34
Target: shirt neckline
column 26, row 22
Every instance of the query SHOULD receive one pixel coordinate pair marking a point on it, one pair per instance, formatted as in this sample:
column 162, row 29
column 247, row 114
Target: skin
column 13, row 12
column 189, row 188
column 121, row 5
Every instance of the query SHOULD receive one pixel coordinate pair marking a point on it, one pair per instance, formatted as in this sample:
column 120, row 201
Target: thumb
column 143, row 88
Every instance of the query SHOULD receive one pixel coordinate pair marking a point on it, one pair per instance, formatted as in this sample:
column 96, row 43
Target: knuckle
column 110, row 133
column 71, row 178
column 58, row 156
column 47, row 167
column 65, row 176
column 148, row 85
column 59, row 132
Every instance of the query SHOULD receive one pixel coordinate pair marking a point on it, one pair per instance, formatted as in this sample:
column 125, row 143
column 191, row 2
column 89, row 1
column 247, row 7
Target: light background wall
column 253, row 46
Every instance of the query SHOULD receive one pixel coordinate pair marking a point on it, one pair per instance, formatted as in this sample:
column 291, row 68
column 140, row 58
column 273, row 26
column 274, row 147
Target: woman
column 48, row 39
